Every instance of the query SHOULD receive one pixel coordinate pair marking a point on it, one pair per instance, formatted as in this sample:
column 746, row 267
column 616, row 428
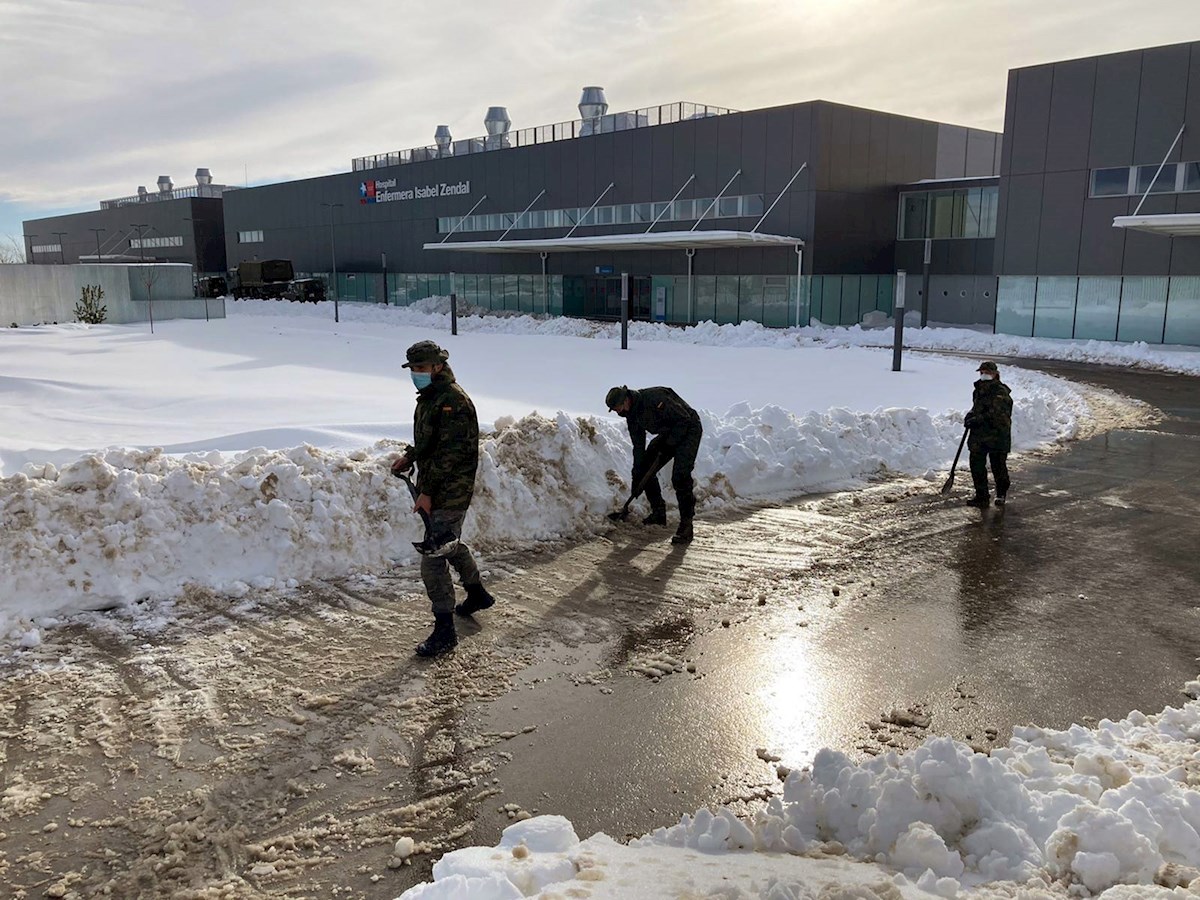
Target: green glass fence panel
column 868, row 287
column 831, row 299
column 727, row 300
column 1097, row 302
column 848, row 313
column 525, row 298
column 1015, row 304
column 1183, row 311
column 816, row 299
column 1143, row 308
column 750, row 298
column 777, row 302
column 706, row 297
column 556, row 295
column 512, row 296
column 1054, row 312
column 885, row 294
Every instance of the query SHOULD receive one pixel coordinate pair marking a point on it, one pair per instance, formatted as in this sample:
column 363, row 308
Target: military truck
column 267, row 278
column 306, row 290
column 211, row 286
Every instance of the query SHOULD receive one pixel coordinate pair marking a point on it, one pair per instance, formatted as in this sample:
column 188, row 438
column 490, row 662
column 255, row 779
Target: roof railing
column 647, row 117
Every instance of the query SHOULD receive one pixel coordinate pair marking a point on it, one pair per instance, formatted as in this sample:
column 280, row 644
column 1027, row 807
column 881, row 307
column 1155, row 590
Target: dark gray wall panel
column 1102, row 247
column 877, row 151
column 1031, row 121
column 1010, row 118
column 753, row 158
column 1115, row 109
column 1061, row 225
column 729, row 152
column 860, row 147
column 707, row 138
column 951, row 152
column 981, row 152
column 1191, row 138
column 1162, row 99
column 683, row 161
column 1022, row 233
column 1070, row 125
column 778, row 167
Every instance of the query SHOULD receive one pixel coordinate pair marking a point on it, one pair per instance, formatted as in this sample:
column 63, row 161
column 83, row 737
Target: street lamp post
column 333, row 259
column 145, row 274
column 96, row 232
column 62, row 259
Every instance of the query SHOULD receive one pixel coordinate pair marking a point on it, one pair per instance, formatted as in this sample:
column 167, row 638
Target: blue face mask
column 422, row 380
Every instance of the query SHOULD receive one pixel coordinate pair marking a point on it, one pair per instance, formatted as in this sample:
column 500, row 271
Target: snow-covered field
column 253, row 451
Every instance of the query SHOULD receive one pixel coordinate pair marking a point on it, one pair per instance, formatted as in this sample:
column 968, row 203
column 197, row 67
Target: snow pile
column 1109, row 812
column 121, row 525
column 434, row 313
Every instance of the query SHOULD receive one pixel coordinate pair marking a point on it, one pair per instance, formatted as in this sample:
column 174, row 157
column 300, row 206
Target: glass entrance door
column 603, row 297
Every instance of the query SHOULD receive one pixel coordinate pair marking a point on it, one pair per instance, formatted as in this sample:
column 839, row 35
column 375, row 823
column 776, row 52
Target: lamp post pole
column 96, row 232
column 62, row 258
column 145, row 275
column 333, row 259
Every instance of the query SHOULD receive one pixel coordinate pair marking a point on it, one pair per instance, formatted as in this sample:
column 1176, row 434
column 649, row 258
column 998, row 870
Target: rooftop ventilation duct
column 142, row 192
column 165, row 185
column 593, row 104
column 497, row 124
column 442, row 138
column 203, row 176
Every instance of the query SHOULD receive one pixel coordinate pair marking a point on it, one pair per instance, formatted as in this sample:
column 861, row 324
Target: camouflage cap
column 616, row 396
column 425, row 353
column 988, row 366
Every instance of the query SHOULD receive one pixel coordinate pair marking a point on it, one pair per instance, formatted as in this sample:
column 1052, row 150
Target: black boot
column 683, row 534
column 980, row 500
column 656, row 517
column 999, row 499
column 442, row 640
column 477, row 598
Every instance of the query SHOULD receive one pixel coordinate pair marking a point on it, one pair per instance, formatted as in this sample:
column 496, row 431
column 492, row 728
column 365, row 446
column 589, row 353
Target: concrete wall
column 40, row 295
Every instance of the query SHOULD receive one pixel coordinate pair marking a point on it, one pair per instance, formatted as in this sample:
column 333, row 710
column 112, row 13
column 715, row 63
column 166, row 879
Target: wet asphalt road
column 1080, row 601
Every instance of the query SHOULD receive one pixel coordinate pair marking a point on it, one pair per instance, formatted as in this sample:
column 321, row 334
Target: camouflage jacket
column 659, row 410
column 446, row 449
column 991, row 411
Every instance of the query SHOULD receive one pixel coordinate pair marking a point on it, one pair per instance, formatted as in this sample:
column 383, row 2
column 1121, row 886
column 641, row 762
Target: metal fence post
column 624, row 310
column 898, row 312
column 453, row 307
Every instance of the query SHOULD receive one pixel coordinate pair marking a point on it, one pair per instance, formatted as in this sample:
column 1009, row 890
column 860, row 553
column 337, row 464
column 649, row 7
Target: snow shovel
column 949, row 485
column 433, row 545
column 623, row 513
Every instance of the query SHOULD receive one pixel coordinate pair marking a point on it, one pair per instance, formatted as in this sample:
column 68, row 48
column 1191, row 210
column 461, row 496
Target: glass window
column 1110, row 182
column 1163, row 184
column 728, row 206
column 683, row 210
column 987, row 216
column 642, row 212
column 1054, row 313
column 535, row 218
column 1191, row 176
column 1097, row 300
column 1183, row 310
column 570, row 216
column 623, row 214
column 914, row 212
column 752, row 205
column 604, row 215
column 750, row 298
column 1014, row 305
column 942, row 218
column 973, row 213
column 659, row 211
column 699, row 207
column 1143, row 308
column 495, row 222
column 705, row 289
column 587, row 217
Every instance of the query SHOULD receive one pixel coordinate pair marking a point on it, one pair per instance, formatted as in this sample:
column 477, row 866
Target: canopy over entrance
column 661, row 240
column 1166, row 224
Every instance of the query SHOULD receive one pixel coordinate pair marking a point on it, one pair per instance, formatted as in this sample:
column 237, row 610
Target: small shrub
column 89, row 309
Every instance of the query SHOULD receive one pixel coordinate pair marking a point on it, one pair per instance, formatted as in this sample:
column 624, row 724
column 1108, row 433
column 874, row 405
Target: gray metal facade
column 1065, row 120
column 843, row 205
column 198, row 221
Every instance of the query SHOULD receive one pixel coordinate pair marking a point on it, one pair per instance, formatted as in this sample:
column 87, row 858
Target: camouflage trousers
column 435, row 571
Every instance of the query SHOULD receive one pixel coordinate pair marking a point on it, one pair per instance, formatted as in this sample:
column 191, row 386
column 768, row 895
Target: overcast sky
column 99, row 96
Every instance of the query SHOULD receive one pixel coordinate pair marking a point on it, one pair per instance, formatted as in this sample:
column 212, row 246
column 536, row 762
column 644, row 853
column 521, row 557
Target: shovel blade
column 618, row 516
column 949, row 485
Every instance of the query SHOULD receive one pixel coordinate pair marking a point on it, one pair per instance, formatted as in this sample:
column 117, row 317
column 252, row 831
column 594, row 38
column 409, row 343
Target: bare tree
column 11, row 250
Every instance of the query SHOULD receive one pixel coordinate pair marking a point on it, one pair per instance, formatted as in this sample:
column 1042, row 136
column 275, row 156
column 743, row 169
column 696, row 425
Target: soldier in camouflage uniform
column 676, row 426
column 990, row 422
column 446, row 452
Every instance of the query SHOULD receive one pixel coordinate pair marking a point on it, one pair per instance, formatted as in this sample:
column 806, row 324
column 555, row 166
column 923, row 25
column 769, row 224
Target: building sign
column 384, row 191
